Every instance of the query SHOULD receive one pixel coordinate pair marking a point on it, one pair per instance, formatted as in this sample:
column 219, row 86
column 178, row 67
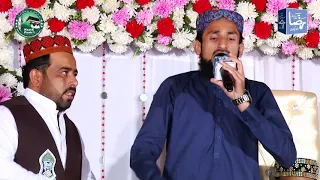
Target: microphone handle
column 227, row 80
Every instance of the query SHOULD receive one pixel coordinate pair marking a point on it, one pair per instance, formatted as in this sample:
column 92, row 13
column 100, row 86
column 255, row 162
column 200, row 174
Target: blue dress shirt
column 208, row 138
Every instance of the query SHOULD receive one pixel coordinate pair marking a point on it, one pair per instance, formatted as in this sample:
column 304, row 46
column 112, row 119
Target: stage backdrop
column 123, row 108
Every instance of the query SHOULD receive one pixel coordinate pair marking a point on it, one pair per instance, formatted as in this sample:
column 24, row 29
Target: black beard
column 206, row 68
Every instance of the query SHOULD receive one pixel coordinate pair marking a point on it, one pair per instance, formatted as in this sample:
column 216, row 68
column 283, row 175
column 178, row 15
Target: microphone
column 223, row 75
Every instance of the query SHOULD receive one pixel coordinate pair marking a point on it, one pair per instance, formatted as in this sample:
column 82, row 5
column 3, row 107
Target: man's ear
column 197, row 47
column 241, row 49
column 36, row 78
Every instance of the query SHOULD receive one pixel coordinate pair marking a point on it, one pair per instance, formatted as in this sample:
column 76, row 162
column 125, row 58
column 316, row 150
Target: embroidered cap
column 46, row 45
column 206, row 17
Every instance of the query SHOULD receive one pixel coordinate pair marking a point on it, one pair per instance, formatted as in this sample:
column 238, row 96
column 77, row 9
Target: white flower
column 62, row 13
column 45, row 31
column 213, row 3
column 192, row 15
column 152, row 27
column 247, row 10
column 18, row 37
column 20, row 3
column 260, row 42
column 91, row 14
column 67, row 2
column 132, row 7
column 65, row 33
column 147, row 44
column 162, row 48
column 46, row 13
column 121, row 36
column 178, row 15
column 269, row 18
column 316, row 52
column 96, row 38
column 6, row 58
column 118, row 48
column 248, row 42
column 110, row 6
column 275, row 27
column 273, row 42
column 282, row 37
column 305, row 53
column 86, row 47
column 107, row 25
column 3, row 41
column 182, row 39
column 19, row 71
column 9, row 80
column 299, row 35
column 270, row 51
column 20, row 89
column 313, row 9
column 5, row 25
column 291, row 1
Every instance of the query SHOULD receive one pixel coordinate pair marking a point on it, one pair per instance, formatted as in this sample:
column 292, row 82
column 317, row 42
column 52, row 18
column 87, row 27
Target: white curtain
column 124, row 86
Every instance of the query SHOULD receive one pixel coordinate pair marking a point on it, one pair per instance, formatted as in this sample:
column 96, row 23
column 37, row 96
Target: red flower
column 55, row 25
column 294, row 5
column 134, row 28
column 263, row 30
column 35, row 3
column 201, row 6
column 143, row 2
column 261, row 5
column 165, row 27
column 82, row 4
column 312, row 39
column 5, row 5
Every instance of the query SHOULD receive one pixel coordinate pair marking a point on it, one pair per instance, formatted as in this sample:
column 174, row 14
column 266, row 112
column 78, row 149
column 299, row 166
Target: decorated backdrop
column 145, row 24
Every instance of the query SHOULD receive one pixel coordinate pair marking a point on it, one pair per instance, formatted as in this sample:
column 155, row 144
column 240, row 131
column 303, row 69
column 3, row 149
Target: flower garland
column 161, row 24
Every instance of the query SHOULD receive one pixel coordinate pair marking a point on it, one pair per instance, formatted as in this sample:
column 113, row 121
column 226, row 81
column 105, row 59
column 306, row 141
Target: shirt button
column 218, row 137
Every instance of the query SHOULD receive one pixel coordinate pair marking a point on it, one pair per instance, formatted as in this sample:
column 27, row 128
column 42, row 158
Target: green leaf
column 136, row 52
column 141, row 39
column 187, row 20
column 121, row 4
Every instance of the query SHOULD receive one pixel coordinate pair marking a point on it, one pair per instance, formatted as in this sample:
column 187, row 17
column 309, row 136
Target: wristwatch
column 246, row 97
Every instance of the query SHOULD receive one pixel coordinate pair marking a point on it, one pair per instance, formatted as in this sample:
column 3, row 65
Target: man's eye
column 64, row 72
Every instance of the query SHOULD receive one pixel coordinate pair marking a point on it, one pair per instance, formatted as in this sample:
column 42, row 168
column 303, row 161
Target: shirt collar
column 40, row 101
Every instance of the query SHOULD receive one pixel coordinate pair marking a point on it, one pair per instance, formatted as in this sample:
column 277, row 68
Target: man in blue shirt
column 212, row 133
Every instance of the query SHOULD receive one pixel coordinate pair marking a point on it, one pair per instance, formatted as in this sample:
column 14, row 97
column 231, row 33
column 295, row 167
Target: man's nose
column 223, row 43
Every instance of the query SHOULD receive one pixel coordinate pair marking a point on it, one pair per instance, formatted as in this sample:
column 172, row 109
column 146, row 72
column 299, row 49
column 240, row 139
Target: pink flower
column 274, row 6
column 312, row 24
column 226, row 4
column 79, row 30
column 127, row 1
column 164, row 40
column 12, row 13
column 144, row 17
column 289, row 48
column 248, row 27
column 5, row 93
column 121, row 17
column 179, row 3
column 307, row 1
column 163, row 8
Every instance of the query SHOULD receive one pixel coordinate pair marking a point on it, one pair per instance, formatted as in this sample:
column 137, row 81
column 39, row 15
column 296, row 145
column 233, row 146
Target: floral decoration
column 159, row 24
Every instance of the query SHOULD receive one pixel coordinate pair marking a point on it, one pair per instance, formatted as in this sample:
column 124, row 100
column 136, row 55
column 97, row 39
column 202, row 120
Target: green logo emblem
column 47, row 162
column 28, row 23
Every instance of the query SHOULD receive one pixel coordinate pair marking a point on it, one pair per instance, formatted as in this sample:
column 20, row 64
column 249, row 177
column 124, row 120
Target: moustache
column 221, row 52
column 70, row 89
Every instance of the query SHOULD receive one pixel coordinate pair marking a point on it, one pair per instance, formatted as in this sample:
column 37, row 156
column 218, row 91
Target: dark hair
column 199, row 37
column 40, row 63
